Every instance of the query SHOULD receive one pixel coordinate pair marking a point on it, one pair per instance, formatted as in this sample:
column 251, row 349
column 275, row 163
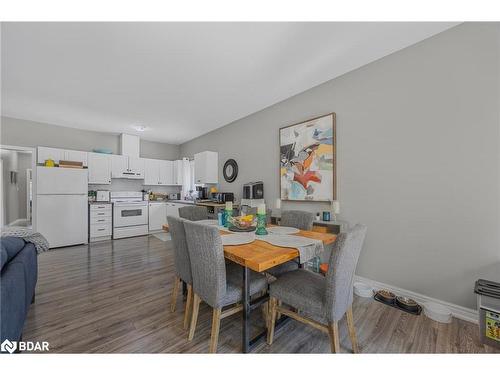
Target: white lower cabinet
column 173, row 208
column 157, row 215
column 100, row 222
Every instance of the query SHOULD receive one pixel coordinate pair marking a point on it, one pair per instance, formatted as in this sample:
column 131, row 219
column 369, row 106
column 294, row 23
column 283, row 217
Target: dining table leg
column 246, row 311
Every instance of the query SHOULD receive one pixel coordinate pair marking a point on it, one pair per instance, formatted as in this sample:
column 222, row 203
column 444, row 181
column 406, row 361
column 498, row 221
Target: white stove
column 130, row 214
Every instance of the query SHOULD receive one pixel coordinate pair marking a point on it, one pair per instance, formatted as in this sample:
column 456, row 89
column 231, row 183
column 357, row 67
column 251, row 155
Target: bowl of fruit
column 242, row 223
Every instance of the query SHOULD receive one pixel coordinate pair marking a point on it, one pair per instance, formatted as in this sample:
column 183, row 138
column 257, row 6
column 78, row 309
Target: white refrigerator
column 62, row 205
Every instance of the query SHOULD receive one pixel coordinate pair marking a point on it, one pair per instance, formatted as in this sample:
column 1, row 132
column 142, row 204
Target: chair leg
column 272, row 320
column 333, row 331
column 279, row 315
column 189, row 304
column 351, row 329
column 214, row 337
column 265, row 313
column 194, row 316
column 175, row 292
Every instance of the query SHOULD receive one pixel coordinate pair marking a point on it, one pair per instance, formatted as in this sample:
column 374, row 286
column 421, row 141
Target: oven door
column 130, row 214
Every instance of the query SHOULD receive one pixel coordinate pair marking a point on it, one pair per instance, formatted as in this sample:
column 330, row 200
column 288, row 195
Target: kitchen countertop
column 204, row 203
column 91, row 203
column 173, row 201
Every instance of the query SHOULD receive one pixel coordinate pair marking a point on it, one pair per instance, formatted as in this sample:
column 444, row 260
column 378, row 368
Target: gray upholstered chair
column 182, row 265
column 212, row 282
column 322, row 301
column 193, row 213
column 302, row 220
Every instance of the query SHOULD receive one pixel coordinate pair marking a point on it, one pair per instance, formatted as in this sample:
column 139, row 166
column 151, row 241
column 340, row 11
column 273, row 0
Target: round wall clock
column 230, row 170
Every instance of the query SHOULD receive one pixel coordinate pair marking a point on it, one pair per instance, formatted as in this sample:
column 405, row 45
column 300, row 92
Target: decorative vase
column 228, row 215
column 261, row 225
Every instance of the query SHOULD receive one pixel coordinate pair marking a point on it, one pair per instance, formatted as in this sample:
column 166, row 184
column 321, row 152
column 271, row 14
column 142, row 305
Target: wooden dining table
column 260, row 256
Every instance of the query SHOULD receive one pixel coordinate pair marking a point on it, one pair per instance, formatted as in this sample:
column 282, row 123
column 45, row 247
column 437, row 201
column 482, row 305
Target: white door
column 61, row 181
column 136, row 166
column 157, row 215
column 63, row 219
column 45, row 153
column 72, row 155
column 151, row 172
column 166, row 172
column 119, row 166
column 99, row 168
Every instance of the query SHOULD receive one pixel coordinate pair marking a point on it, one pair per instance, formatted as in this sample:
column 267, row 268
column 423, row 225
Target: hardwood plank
column 114, row 297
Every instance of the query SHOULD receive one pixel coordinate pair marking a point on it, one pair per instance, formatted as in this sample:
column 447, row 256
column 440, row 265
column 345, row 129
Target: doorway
column 17, row 166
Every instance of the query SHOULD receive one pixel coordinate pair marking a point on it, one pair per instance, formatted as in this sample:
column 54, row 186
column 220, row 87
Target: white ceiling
column 181, row 80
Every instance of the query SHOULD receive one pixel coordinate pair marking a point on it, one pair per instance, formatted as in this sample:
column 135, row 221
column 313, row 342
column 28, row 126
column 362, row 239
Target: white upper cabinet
column 206, row 167
column 130, row 145
column 136, row 166
column 99, row 168
column 166, row 172
column 72, row 155
column 58, row 154
column 123, row 166
column 45, row 153
column 151, row 172
column 158, row 172
column 178, row 172
column 119, row 166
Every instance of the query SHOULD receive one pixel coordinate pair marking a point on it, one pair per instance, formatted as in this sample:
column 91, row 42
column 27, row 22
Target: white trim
column 459, row 312
column 16, row 222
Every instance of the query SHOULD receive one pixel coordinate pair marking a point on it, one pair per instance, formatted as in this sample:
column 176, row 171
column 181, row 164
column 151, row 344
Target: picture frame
column 308, row 160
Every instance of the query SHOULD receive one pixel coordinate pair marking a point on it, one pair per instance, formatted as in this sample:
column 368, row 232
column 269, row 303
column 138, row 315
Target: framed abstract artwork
column 307, row 160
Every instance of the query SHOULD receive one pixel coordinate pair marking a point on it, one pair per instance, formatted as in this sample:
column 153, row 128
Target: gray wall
column 418, row 159
column 16, row 132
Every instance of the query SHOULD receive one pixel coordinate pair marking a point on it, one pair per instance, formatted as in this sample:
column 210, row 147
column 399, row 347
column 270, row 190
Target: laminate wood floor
column 114, row 297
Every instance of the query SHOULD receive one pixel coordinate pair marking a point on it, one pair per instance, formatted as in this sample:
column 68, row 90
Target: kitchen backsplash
column 118, row 184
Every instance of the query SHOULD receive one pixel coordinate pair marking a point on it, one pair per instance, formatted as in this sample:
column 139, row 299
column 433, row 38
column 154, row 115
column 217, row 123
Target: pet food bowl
column 363, row 290
column 437, row 312
column 407, row 303
column 386, row 296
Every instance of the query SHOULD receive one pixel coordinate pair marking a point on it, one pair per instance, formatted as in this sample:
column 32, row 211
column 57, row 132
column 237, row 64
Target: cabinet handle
column 100, row 220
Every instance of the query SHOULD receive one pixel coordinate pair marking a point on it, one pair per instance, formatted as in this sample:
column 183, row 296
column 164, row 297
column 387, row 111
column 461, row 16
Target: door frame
column 33, row 176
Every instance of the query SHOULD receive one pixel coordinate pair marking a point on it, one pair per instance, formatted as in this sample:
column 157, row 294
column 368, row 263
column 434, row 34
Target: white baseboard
column 16, row 222
column 458, row 312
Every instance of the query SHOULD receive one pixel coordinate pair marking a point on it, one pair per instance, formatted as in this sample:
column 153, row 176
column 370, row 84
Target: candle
column 229, row 206
column 261, row 209
column 335, row 207
column 278, row 203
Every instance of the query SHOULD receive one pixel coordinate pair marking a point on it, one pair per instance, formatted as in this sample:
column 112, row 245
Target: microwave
column 253, row 190
column 222, row 197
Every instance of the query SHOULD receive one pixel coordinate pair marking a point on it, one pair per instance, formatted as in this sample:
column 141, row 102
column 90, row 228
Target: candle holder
column 228, row 214
column 261, row 225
